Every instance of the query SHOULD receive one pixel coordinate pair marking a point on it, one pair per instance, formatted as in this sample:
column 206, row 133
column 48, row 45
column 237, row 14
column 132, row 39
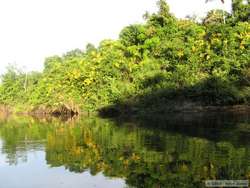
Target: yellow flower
column 87, row 81
column 76, row 74
column 117, row 65
column 242, row 46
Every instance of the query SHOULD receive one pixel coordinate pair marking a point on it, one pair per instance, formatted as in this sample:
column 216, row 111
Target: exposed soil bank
column 55, row 111
column 124, row 110
column 62, row 110
column 5, row 109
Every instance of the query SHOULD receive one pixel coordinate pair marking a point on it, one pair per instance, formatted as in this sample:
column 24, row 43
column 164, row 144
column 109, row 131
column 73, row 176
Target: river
column 86, row 152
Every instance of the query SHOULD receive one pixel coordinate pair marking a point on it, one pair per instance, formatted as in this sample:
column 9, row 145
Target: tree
column 132, row 35
column 241, row 10
column 163, row 8
column 90, row 48
column 214, row 17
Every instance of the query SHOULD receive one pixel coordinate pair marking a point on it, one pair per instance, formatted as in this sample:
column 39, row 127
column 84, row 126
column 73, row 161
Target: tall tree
column 163, row 8
column 241, row 10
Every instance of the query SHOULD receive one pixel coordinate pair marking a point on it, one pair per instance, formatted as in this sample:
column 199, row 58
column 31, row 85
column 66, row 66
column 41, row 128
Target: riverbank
column 5, row 109
column 62, row 110
column 125, row 110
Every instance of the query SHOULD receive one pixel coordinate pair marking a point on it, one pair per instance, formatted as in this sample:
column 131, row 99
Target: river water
column 177, row 151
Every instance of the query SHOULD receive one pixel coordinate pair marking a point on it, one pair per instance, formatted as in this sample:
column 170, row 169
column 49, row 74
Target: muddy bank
column 4, row 112
column 4, row 109
column 55, row 111
column 62, row 110
column 125, row 110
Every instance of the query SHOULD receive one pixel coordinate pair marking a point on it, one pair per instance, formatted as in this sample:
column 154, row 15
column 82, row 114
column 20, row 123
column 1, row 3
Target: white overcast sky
column 31, row 30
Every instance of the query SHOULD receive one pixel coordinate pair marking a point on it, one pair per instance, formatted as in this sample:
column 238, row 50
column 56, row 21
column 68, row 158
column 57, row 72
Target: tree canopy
column 163, row 59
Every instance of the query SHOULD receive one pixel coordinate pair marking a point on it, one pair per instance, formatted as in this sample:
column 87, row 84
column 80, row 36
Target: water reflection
column 178, row 152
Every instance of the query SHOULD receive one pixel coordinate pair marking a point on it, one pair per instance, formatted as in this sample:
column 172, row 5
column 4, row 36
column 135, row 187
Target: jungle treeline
column 150, row 65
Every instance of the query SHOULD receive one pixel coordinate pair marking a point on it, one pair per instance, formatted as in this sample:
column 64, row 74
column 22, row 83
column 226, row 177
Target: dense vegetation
column 152, row 64
column 144, row 157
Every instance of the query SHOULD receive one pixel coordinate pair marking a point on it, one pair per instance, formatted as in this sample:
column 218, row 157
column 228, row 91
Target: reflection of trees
column 19, row 136
column 72, row 148
column 130, row 152
column 144, row 157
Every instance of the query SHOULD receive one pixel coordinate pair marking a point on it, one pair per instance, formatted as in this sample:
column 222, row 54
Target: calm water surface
column 178, row 151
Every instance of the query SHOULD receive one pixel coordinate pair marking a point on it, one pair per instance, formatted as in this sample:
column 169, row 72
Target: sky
column 31, row 30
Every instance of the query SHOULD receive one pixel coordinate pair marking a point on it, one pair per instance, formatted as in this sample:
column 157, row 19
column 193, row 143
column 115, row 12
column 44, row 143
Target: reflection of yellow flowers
column 135, row 157
column 121, row 158
column 205, row 168
column 184, row 168
column 248, row 175
column 125, row 162
column 77, row 150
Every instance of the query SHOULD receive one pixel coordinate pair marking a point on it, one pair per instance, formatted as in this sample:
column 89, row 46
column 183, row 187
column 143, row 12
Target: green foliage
column 215, row 17
column 208, row 60
column 241, row 10
column 15, row 87
column 163, row 8
column 133, row 35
